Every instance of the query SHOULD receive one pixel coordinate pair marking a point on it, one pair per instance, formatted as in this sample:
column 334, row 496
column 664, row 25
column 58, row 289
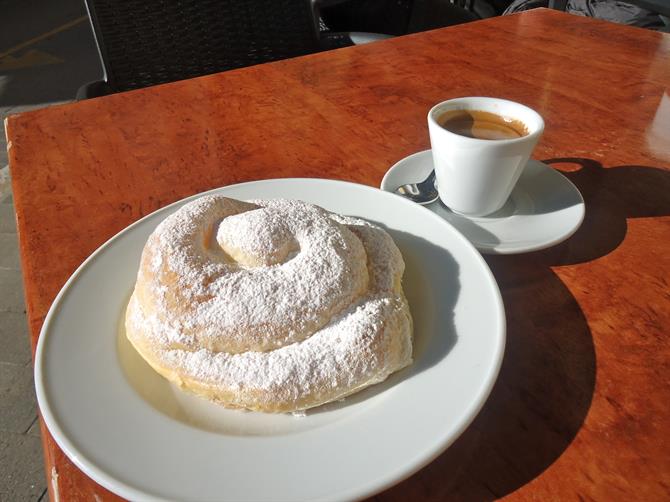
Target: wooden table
column 581, row 409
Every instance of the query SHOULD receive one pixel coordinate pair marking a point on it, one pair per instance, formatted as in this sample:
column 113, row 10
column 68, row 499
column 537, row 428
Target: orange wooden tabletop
column 581, row 407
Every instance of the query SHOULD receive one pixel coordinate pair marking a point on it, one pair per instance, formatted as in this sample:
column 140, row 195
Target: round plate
column 544, row 209
column 139, row 436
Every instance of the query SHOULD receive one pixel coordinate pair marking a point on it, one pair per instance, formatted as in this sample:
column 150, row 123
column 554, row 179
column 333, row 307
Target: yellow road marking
column 33, row 57
column 41, row 37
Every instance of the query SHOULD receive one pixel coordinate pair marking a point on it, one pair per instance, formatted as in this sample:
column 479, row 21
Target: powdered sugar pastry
column 271, row 305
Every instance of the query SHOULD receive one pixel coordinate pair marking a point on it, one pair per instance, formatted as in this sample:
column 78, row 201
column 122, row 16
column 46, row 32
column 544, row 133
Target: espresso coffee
column 481, row 125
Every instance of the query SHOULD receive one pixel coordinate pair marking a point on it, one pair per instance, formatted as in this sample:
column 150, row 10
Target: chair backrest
column 148, row 42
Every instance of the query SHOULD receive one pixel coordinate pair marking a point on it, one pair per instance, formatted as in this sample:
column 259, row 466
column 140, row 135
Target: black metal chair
column 149, row 42
column 400, row 17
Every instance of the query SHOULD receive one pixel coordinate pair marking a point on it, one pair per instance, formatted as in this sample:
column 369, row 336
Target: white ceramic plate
column 135, row 434
column 544, row 209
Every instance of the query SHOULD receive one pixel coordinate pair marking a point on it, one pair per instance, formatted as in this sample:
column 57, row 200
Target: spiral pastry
column 274, row 305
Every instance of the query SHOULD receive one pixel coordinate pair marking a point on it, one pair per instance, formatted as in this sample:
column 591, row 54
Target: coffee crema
column 481, row 125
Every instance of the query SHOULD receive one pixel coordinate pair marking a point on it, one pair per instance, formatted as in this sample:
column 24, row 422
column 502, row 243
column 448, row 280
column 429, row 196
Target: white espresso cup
column 476, row 176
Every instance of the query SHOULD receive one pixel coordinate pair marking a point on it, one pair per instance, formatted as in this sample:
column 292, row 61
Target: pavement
column 47, row 52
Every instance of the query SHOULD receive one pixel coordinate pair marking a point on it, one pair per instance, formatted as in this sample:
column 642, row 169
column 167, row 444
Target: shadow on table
column 539, row 402
column 612, row 196
column 547, row 380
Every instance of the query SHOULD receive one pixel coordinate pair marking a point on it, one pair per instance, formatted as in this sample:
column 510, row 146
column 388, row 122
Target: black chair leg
column 94, row 90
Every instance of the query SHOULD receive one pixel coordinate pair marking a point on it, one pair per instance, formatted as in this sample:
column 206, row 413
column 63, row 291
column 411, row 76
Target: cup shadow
column 612, row 195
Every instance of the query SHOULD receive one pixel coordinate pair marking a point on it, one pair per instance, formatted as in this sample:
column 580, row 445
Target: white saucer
column 545, row 208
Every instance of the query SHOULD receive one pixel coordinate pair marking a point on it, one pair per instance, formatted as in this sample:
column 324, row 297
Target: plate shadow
column 540, row 400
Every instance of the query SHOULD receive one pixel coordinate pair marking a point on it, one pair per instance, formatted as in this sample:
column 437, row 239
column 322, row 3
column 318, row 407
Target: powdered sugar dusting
column 258, row 237
column 239, row 305
column 339, row 356
column 343, row 269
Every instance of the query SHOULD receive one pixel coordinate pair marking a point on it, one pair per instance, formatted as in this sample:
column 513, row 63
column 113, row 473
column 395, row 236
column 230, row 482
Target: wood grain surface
column 581, row 408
